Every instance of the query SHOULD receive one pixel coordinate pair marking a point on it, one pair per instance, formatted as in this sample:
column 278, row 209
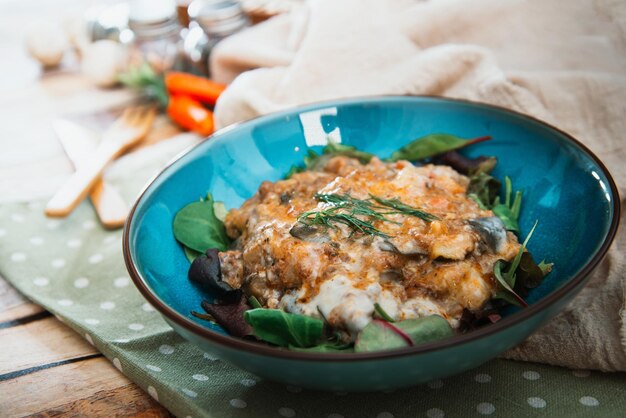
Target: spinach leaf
column 191, row 254
column 293, row 170
column 220, row 210
column 284, row 329
column 378, row 335
column 316, row 162
column 326, row 347
column 483, row 189
column 334, row 148
column 506, row 279
column 230, row 316
column 206, row 272
column 467, row 166
column 545, row 267
column 433, row 144
column 426, row 329
column 506, row 282
column 509, row 211
column 529, row 273
column 197, row 227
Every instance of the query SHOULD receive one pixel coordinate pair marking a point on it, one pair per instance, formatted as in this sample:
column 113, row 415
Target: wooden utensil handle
column 78, row 185
column 111, row 208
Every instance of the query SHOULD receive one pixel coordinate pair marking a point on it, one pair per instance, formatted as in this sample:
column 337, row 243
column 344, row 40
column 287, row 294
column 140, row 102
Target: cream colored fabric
column 564, row 62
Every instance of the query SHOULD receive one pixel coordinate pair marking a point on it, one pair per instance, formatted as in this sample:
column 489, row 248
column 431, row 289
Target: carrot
column 199, row 88
column 190, row 114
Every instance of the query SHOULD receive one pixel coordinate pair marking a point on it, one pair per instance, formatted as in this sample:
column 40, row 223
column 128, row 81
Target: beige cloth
column 564, row 62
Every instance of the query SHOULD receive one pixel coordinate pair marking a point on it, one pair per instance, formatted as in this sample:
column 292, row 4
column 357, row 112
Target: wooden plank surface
column 61, row 343
column 48, row 370
column 90, row 387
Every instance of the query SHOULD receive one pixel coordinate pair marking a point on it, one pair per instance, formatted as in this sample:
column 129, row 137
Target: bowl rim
column 459, row 339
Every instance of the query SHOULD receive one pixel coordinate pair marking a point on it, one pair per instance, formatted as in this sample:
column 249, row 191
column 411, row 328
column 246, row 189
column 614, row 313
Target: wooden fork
column 125, row 132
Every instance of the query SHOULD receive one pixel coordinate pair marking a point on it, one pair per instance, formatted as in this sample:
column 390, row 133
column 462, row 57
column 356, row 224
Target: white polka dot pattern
column 74, row 243
column 238, row 403
column 81, row 283
column 435, row 413
column 482, row 378
column 41, row 281
column 107, row 305
column 531, row 375
column 536, row 402
column 589, row 401
column 58, row 263
column 189, row 392
column 95, row 258
column 485, row 408
column 166, row 349
column 18, row 257
column 36, row 241
column 121, row 282
column 286, row 412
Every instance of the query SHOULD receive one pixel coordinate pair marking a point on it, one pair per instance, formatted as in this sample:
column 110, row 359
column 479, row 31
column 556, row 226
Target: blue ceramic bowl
column 565, row 187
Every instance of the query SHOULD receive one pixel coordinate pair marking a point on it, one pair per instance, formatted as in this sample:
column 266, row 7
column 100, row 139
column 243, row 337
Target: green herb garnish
column 344, row 209
column 404, row 208
column 144, row 79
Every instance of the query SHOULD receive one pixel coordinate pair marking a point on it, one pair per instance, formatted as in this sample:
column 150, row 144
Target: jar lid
column 153, row 18
column 216, row 16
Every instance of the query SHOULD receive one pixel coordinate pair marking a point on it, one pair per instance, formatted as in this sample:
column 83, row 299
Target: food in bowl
column 353, row 253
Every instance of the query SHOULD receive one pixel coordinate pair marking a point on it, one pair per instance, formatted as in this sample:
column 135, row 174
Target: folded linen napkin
column 564, row 63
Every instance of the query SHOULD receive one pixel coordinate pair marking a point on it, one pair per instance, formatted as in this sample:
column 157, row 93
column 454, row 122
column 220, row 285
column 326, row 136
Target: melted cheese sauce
column 422, row 268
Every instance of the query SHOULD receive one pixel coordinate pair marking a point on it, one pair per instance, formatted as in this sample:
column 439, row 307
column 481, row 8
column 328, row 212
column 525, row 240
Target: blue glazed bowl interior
column 565, row 188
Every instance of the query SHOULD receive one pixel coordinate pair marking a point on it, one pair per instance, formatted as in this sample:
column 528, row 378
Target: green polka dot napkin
column 76, row 270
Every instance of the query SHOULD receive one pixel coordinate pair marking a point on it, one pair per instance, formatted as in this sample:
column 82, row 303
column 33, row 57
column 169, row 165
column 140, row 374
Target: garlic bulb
column 102, row 61
column 76, row 30
column 46, row 42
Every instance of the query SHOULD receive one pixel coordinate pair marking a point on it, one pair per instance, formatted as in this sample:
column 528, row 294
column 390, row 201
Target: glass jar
column 156, row 33
column 210, row 22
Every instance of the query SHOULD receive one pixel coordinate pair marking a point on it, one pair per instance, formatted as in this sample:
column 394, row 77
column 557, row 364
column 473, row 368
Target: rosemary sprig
column 345, row 209
column 404, row 208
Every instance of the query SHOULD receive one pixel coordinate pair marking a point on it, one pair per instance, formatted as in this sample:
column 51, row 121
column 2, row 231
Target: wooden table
column 52, row 370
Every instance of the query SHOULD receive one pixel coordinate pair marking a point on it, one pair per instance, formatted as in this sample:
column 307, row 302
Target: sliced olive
column 206, row 272
column 309, row 233
column 492, row 231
